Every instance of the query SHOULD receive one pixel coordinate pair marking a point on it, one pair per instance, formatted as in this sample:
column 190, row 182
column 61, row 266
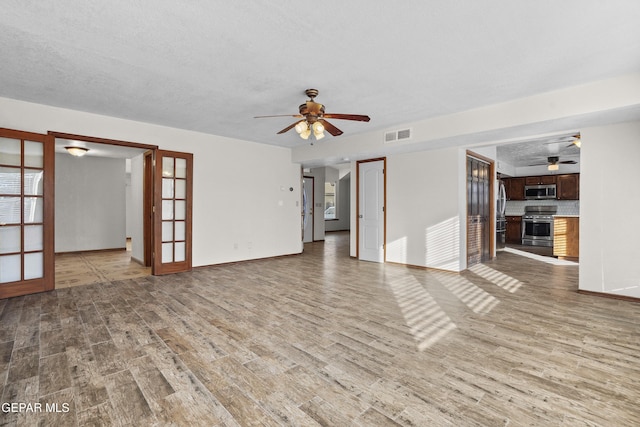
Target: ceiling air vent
column 397, row 135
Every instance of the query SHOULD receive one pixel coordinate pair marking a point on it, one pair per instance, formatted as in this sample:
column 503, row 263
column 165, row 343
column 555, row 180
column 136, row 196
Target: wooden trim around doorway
column 102, row 140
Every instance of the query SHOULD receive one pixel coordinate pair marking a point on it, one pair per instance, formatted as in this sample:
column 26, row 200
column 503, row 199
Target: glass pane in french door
column 25, row 254
column 173, row 213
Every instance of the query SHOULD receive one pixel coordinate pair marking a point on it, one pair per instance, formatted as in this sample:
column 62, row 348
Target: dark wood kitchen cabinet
column 568, row 187
column 514, row 188
column 540, row 180
column 513, row 233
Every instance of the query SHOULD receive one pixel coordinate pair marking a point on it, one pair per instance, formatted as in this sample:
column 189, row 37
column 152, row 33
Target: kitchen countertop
column 566, row 216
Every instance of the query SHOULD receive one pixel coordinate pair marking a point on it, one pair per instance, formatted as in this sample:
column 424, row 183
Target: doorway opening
column 103, row 209
column 308, row 207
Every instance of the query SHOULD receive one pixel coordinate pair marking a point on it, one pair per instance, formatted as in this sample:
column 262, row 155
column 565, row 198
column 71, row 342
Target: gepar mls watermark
column 33, row 407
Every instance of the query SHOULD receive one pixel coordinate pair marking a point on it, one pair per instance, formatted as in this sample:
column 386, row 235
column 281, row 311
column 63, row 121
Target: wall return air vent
column 397, row 135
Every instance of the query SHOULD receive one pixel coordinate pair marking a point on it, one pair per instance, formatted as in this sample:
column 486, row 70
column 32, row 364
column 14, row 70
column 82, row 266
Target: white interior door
column 307, row 209
column 371, row 211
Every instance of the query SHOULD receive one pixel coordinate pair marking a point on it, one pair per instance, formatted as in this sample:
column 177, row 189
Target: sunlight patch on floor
column 426, row 320
column 474, row 297
column 547, row 259
column 496, row 277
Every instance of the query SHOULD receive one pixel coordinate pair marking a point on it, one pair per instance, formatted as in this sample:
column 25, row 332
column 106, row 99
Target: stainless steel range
column 537, row 225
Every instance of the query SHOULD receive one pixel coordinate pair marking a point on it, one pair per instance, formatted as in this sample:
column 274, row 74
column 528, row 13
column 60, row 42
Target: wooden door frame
column 384, row 203
column 492, row 198
column 148, row 236
column 147, row 208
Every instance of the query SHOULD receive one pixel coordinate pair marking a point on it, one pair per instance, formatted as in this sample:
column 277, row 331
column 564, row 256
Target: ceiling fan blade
column 330, row 128
column 539, row 164
column 280, row 115
column 568, row 162
column 356, row 117
column 288, row 128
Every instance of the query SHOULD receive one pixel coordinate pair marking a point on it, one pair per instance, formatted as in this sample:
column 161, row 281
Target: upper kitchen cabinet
column 540, row 180
column 568, row 186
column 514, row 188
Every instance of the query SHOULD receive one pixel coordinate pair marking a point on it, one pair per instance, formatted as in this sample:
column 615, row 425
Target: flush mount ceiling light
column 76, row 151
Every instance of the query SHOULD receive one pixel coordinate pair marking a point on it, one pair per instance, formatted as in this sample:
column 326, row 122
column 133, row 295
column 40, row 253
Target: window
column 330, row 200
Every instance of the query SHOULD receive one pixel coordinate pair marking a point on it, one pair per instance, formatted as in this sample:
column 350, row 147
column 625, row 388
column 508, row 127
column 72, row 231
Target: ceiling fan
column 314, row 119
column 572, row 139
column 553, row 163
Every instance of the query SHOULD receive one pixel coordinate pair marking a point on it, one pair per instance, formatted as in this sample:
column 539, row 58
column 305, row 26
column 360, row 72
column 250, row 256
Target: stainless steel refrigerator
column 501, row 221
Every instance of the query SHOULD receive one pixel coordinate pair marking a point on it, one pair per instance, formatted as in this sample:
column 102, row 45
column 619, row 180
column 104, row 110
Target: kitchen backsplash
column 565, row 207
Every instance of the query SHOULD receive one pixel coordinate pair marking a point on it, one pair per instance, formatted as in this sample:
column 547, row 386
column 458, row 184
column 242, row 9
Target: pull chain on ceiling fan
column 314, row 119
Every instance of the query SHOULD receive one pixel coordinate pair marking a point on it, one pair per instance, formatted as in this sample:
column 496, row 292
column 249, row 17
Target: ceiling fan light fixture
column 301, row 126
column 553, row 167
column 317, row 127
column 76, row 151
column 318, row 130
column 305, row 134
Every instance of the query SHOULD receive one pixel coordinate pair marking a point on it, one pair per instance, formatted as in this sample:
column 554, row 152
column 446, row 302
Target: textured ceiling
column 210, row 66
column 537, row 151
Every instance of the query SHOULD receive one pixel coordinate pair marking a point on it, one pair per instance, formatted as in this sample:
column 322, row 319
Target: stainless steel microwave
column 537, row 192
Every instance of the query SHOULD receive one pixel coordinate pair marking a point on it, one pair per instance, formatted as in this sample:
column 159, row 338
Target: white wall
column 90, row 209
column 424, row 226
column 609, row 205
column 136, row 209
column 242, row 206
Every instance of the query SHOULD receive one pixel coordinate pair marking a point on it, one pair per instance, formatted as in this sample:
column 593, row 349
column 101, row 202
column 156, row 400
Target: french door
column 26, row 213
column 173, row 185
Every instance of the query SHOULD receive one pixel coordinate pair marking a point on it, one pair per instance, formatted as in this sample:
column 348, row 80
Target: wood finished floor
column 85, row 268
column 322, row 339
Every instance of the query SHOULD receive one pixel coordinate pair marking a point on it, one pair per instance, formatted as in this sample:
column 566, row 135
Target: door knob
column 359, row 216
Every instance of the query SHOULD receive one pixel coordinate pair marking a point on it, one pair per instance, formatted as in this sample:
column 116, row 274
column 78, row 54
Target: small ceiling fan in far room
column 553, row 163
column 572, row 139
column 314, row 119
